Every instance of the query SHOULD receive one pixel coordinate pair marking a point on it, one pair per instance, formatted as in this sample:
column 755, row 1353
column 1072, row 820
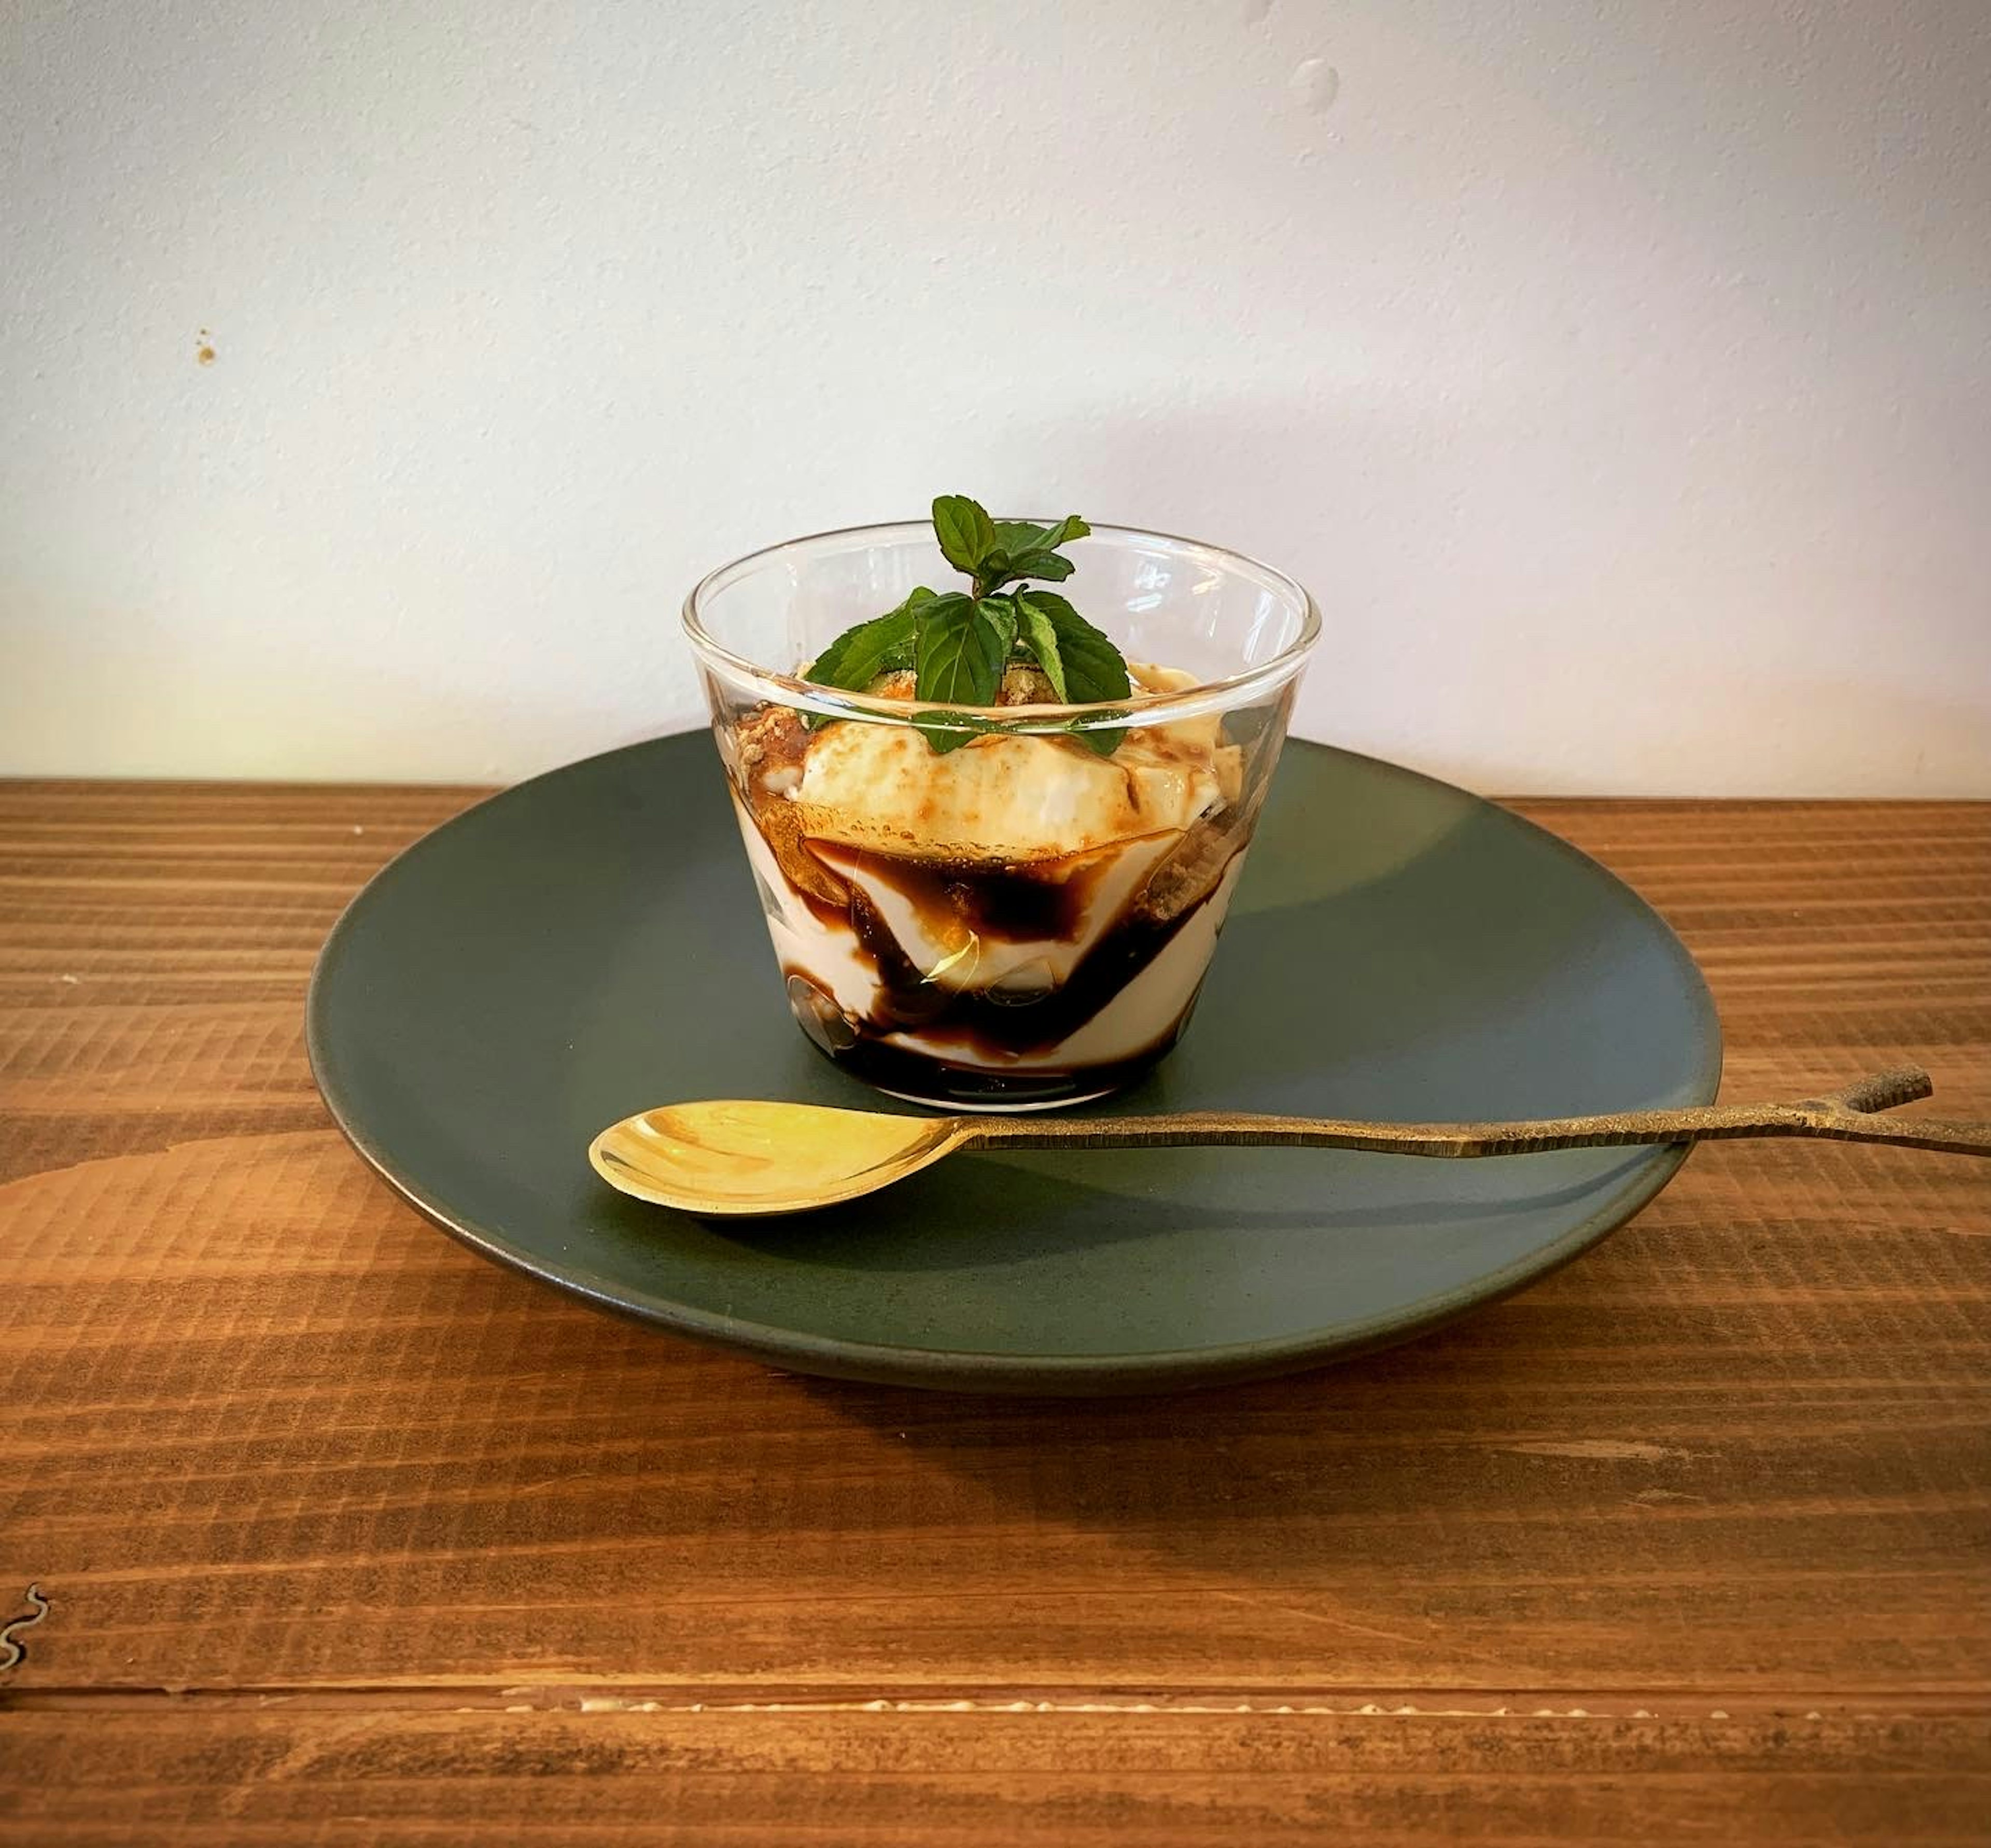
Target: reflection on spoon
column 745, row 1158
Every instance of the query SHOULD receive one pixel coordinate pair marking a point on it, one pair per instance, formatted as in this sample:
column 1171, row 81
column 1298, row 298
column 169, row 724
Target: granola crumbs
column 1192, row 872
column 771, row 744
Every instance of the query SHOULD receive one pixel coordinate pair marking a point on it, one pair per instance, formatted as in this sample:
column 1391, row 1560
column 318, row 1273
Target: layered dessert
column 994, row 854
column 1017, row 921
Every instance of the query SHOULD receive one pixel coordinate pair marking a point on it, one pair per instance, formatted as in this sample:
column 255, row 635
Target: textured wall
column 1618, row 373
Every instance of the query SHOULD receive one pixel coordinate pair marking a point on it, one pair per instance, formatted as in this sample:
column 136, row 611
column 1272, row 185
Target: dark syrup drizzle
column 1005, row 904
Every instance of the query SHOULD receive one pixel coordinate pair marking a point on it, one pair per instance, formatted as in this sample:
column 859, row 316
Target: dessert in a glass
column 995, row 839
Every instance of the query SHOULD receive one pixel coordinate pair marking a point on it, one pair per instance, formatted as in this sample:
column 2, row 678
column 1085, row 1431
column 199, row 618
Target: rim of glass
column 1143, row 709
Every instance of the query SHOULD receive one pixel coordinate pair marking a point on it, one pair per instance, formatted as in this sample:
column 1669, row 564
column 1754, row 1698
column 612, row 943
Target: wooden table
column 349, row 1537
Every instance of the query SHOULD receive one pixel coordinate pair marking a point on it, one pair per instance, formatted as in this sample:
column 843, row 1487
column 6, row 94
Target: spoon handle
column 1846, row 1115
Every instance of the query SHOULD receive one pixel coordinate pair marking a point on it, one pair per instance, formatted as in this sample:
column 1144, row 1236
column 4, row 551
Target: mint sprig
column 957, row 644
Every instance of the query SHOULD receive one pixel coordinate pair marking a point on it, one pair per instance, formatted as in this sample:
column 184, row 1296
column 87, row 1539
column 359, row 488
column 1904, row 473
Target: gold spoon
column 747, row 1158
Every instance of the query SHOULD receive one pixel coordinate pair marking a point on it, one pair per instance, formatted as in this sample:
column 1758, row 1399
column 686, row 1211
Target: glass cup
column 1023, row 920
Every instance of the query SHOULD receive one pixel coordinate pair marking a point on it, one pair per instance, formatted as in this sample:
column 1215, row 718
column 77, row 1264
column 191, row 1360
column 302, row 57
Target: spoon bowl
column 756, row 1156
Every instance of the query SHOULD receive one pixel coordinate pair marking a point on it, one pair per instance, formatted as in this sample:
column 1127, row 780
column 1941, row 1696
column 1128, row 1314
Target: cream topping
column 1010, row 798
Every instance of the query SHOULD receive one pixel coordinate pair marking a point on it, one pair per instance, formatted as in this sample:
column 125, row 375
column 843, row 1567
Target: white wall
column 1618, row 372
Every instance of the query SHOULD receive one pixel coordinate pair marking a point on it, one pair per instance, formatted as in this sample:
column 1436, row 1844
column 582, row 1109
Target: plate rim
column 1157, row 1369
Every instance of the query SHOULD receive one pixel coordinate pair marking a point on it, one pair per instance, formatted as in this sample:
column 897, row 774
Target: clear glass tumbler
column 1023, row 920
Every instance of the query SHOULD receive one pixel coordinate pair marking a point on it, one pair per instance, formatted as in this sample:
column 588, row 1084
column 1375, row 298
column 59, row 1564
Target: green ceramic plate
column 589, row 944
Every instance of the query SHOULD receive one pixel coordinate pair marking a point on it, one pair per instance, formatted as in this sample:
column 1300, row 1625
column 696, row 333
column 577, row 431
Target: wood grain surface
column 348, row 1536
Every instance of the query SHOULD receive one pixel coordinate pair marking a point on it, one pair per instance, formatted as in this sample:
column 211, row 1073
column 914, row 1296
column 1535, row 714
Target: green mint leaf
column 1094, row 671
column 961, row 652
column 1050, row 565
column 966, row 533
column 1038, row 634
column 860, row 654
column 1105, row 742
column 1022, row 551
column 949, row 730
column 1020, row 536
column 1002, row 611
